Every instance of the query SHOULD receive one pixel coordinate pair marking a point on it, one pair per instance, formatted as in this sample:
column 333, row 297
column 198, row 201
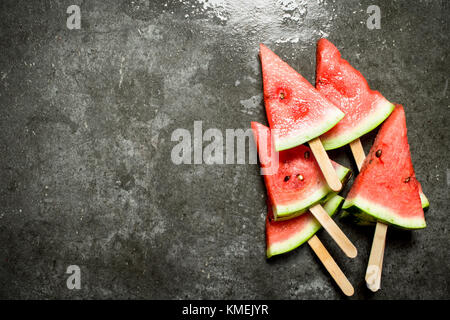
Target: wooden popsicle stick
column 335, row 232
column 325, row 164
column 331, row 266
column 375, row 265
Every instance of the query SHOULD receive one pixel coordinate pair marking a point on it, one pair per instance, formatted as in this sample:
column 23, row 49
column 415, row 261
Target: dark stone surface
column 86, row 120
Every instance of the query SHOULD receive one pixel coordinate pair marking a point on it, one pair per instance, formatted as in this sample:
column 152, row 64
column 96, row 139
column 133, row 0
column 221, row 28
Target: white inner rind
column 384, row 214
column 305, row 233
column 382, row 110
column 424, row 200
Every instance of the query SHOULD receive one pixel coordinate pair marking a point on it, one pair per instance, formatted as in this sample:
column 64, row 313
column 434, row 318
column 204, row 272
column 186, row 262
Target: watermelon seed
column 307, row 155
column 281, row 95
column 378, row 153
column 286, row 178
column 407, row 179
column 300, row 177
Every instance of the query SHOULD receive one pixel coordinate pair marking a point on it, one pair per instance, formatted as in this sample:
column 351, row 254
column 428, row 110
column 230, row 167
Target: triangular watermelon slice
column 296, row 111
column 284, row 236
column 345, row 86
column 386, row 188
column 297, row 183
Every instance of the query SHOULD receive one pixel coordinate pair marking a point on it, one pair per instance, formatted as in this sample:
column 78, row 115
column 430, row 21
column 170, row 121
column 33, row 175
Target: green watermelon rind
column 331, row 206
column 358, row 217
column 284, row 212
column 363, row 219
column 383, row 213
column 382, row 111
column 296, row 139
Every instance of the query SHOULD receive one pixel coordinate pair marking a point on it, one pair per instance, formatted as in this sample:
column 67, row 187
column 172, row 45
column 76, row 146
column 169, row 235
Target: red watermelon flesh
column 386, row 188
column 296, row 111
column 345, row 86
column 284, row 236
column 297, row 182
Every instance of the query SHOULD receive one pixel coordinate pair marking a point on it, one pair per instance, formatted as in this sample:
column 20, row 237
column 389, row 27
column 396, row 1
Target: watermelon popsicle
column 295, row 184
column 297, row 112
column 387, row 172
column 284, row 236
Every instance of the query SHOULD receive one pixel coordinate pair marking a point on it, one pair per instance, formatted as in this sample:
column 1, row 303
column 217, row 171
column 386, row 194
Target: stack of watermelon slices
column 340, row 109
column 297, row 112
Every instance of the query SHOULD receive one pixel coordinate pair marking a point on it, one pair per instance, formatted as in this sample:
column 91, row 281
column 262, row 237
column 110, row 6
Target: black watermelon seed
column 281, row 95
column 407, row 179
column 378, row 153
column 306, row 154
column 286, row 178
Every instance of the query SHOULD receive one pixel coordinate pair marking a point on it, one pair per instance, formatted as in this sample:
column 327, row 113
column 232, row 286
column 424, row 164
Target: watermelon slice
column 296, row 111
column 345, row 86
column 284, row 236
column 297, row 183
column 386, row 188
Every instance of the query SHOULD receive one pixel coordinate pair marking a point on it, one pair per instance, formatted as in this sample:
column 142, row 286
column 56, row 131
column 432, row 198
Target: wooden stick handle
column 375, row 266
column 373, row 273
column 358, row 152
column 325, row 164
column 331, row 266
column 335, row 232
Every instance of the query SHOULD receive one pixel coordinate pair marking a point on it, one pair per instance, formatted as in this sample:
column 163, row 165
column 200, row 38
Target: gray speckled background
column 85, row 125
